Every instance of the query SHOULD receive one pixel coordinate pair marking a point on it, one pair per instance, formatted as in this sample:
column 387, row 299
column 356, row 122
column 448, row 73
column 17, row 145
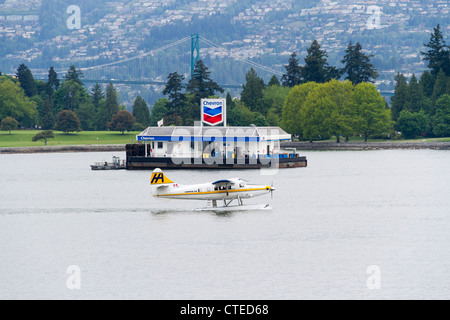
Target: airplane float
column 221, row 190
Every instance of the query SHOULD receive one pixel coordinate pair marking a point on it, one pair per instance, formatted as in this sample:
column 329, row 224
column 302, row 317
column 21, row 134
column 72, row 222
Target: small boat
column 116, row 164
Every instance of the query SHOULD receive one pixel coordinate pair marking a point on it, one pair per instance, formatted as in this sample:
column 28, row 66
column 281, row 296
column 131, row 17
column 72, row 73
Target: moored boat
column 116, row 164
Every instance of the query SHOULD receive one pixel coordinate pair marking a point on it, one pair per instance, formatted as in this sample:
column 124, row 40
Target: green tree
column 427, row 83
column 294, row 113
column 293, row 76
column 177, row 98
column 122, row 121
column 67, row 121
column 87, row 116
column 159, row 111
column 274, row 98
column 259, row 120
column 8, row 124
column 110, row 107
column 230, row 101
column 141, row 111
column 41, row 87
column 190, row 110
column 53, row 82
column 369, row 113
column 274, row 81
column 441, row 121
column 69, row 96
column 71, row 93
column 240, row 116
column 98, row 101
column 74, row 75
column 26, row 80
column 273, row 118
column 440, row 88
column 438, row 54
column 316, row 67
column 201, row 85
column 400, row 97
column 43, row 135
column 416, row 99
column 328, row 110
column 14, row 103
column 47, row 117
column 357, row 65
column 97, row 96
column 412, row 125
column 252, row 91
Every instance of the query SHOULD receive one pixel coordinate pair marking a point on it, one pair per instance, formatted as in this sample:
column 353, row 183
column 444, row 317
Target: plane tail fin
column 159, row 178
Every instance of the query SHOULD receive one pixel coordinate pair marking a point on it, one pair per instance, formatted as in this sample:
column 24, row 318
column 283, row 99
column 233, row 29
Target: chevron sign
column 213, row 111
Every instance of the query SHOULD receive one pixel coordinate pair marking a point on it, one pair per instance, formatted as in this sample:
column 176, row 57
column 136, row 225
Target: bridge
column 148, row 82
column 98, row 73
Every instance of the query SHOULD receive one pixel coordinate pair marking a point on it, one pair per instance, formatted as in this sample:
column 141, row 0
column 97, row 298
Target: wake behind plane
column 226, row 191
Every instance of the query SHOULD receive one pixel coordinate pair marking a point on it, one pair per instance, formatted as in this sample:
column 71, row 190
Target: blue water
column 330, row 223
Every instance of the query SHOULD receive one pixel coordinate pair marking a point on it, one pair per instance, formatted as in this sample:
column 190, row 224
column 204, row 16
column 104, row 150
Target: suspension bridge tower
column 195, row 51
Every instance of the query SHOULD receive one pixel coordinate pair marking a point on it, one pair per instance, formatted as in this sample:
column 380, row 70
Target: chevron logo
column 213, row 111
column 212, row 120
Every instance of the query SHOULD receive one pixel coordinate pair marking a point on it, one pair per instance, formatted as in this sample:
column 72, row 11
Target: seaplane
column 226, row 191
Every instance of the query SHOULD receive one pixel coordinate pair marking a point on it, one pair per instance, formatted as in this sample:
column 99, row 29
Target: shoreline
column 64, row 149
column 367, row 145
column 311, row 146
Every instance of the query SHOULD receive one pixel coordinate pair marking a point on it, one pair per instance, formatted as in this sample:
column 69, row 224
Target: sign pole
column 224, row 112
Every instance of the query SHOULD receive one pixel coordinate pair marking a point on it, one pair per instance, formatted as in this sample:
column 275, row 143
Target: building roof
column 213, row 134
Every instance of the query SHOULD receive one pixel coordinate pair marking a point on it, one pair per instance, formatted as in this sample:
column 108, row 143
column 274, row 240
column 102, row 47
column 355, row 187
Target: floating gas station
column 211, row 144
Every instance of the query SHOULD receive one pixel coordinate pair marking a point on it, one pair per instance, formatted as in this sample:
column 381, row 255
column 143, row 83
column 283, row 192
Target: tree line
column 421, row 107
column 259, row 103
column 64, row 104
column 318, row 107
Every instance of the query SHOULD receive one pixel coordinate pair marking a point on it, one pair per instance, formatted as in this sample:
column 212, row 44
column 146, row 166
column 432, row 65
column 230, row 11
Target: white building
column 207, row 142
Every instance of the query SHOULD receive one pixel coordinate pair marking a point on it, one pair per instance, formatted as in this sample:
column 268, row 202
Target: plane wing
column 162, row 186
column 223, row 183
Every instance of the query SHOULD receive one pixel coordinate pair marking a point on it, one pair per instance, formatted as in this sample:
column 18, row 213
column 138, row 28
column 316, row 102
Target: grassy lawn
column 22, row 138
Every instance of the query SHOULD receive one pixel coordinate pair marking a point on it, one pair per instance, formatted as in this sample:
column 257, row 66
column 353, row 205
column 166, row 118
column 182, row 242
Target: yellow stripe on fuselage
column 210, row 192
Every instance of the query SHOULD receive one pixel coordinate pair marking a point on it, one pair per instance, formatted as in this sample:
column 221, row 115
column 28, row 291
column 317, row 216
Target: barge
column 202, row 147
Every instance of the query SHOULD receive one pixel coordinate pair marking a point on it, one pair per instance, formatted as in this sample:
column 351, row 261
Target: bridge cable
column 234, row 56
column 173, row 44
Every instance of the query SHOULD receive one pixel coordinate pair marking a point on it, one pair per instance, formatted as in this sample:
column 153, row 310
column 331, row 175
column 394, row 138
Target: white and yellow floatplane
column 226, row 191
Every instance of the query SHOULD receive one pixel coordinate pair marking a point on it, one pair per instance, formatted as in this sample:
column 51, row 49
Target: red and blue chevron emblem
column 212, row 120
column 212, row 113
